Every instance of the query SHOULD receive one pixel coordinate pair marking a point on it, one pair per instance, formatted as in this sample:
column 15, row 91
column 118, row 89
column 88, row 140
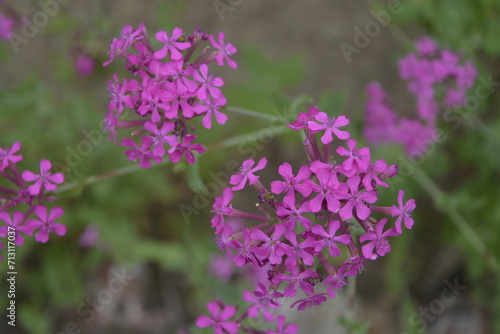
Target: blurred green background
column 289, row 59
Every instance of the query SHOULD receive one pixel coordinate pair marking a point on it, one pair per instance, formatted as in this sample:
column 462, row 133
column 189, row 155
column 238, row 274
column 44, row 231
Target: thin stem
column 231, row 142
column 457, row 219
column 250, row 113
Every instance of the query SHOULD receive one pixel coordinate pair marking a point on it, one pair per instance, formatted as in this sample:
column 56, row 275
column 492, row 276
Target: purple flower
column 300, row 250
column 312, row 300
column 303, row 119
column 403, row 212
column 330, row 126
column 211, row 108
column 296, row 281
column 220, row 315
column 246, row 173
column 355, row 200
column 46, row 223
column 222, row 268
column 185, row 148
column 117, row 94
column 7, row 154
column 225, row 50
column 171, row 44
column 246, row 251
column 17, row 219
column 328, row 190
column 150, row 104
column 281, row 329
column 292, row 183
column 262, row 300
column 329, row 239
column 272, row 248
column 89, row 236
column 426, row 46
column 289, row 214
column 357, row 161
column 208, row 85
column 336, row 282
column 140, row 154
column 84, row 65
column 371, row 176
column 179, row 73
column 44, row 180
column 377, row 241
column 6, row 25
column 222, row 207
column 160, row 138
column 179, row 99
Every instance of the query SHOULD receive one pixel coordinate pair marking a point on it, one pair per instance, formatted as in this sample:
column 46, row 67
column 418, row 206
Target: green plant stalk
column 227, row 143
column 456, row 218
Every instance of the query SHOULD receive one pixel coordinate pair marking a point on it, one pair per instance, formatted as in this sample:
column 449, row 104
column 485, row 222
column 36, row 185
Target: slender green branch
column 457, row 219
column 250, row 113
column 227, row 143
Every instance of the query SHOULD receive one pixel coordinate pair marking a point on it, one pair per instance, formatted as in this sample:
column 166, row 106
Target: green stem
column 227, row 143
column 250, row 113
column 457, row 219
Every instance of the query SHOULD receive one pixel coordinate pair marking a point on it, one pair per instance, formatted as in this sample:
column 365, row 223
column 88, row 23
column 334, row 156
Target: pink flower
column 312, row 300
column 296, row 281
column 7, row 154
column 271, row 247
column 179, row 99
column 262, row 301
column 179, row 73
column 89, row 237
column 208, row 85
column 357, row 161
column 160, row 137
column 151, row 103
column 403, row 212
column 355, row 200
column 303, row 119
column 46, row 223
column 18, row 218
column 289, row 214
column 6, row 25
column 171, row 44
column 328, row 190
column 329, row 239
column 292, row 183
column 185, row 148
column 281, row 329
column 246, row 173
column 44, row 180
column 222, row 207
column 211, row 108
column 225, row 50
column 140, row 154
column 330, row 126
column 377, row 241
column 84, row 65
column 220, row 314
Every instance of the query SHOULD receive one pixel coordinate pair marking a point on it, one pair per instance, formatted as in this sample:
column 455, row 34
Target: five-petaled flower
column 46, row 223
column 220, row 315
column 44, row 180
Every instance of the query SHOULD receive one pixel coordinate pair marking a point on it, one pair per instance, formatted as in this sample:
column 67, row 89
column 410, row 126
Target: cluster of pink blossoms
column 169, row 89
column 437, row 80
column 324, row 210
column 22, row 195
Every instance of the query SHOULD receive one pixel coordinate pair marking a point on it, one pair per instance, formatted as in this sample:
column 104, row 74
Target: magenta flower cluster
column 326, row 210
column 437, row 79
column 22, row 196
column 169, row 88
